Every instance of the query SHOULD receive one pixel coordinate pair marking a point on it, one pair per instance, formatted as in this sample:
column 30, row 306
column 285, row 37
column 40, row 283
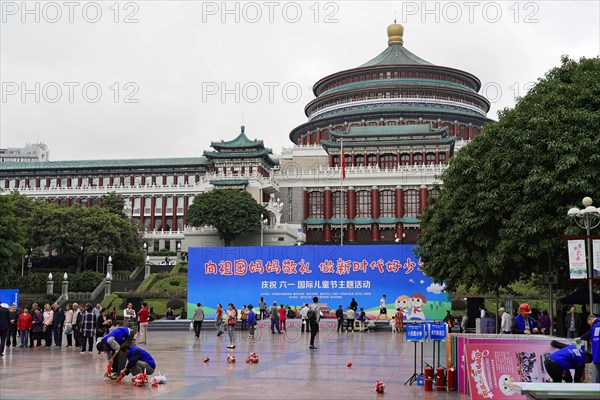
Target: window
column 404, row 159
column 315, row 205
column 433, row 193
column 386, row 201
column 430, row 158
column 442, row 158
column 359, row 160
column 339, row 205
column 170, row 180
column 363, row 204
column 418, row 159
column 411, row 203
column 371, row 160
column 388, row 161
column 159, row 180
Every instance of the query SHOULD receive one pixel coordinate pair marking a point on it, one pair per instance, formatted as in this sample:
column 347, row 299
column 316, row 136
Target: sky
column 147, row 79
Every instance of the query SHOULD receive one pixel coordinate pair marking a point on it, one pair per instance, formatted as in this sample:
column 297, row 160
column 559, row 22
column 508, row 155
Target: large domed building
column 399, row 118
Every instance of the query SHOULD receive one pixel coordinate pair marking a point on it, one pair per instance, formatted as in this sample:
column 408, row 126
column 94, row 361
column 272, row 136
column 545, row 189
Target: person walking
column 274, row 318
column 88, row 328
column 282, row 317
column 382, row 307
column 339, row 315
column 314, row 316
column 197, row 319
column 219, row 320
column 304, row 317
column 3, row 326
column 572, row 322
column 143, row 318
column 231, row 322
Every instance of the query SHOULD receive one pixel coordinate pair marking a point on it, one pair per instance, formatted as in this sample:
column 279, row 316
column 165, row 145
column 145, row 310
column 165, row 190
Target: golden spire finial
column 395, row 32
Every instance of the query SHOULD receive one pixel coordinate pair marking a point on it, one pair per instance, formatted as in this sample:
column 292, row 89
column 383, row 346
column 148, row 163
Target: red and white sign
column 577, row 259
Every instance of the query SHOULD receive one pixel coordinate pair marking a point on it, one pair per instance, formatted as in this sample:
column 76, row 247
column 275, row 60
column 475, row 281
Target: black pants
column 340, row 324
column 3, row 336
column 197, row 328
column 307, row 325
column 48, row 335
column 87, row 340
column 350, row 324
column 558, row 374
column 12, row 334
column 77, row 335
column 37, row 337
column 57, row 332
column 314, row 329
column 69, row 339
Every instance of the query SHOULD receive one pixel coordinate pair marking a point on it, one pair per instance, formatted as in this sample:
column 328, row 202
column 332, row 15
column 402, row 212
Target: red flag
column 343, row 162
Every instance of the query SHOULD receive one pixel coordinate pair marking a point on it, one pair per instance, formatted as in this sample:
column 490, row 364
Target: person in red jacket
column 282, row 317
column 143, row 319
column 24, row 326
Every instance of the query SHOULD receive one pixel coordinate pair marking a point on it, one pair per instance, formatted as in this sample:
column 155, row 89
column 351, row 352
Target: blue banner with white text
column 292, row 275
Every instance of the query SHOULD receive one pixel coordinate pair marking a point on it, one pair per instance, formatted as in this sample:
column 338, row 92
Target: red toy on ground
column 349, row 365
column 379, row 387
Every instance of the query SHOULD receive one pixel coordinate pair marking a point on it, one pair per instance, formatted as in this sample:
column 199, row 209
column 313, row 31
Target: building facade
column 389, row 126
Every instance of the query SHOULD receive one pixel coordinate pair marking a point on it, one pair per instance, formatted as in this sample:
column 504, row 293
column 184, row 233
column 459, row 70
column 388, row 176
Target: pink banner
column 490, row 366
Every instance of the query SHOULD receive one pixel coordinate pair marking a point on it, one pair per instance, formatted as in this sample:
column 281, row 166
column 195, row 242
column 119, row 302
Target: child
column 24, row 326
column 393, row 324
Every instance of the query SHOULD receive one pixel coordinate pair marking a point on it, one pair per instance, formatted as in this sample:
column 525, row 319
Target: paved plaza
column 287, row 369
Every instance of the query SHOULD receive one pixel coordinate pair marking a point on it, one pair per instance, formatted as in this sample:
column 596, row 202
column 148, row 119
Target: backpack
column 312, row 315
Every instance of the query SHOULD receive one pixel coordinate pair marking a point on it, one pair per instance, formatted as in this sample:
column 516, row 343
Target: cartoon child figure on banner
column 417, row 301
column 404, row 303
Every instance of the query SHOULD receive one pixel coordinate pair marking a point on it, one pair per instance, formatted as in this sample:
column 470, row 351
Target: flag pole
column 342, row 165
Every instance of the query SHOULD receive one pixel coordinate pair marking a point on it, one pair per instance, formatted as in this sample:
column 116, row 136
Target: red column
column 142, row 205
column 57, row 200
column 153, row 180
column 185, row 208
column 375, row 234
column 186, row 179
column 68, row 202
column 399, row 231
column 470, row 131
column 89, row 202
column 27, row 182
column 78, row 200
column 327, row 213
column 399, row 202
column 437, row 157
column 122, row 180
column 378, row 162
column 411, row 160
column 164, row 212
column 79, row 180
column 152, row 215
column 143, row 180
column 305, row 205
column 99, row 201
column 100, row 181
column 174, row 219
column 351, row 212
column 111, row 181
column 37, row 182
column 131, row 180
column 327, row 232
column 423, row 194
column 69, row 181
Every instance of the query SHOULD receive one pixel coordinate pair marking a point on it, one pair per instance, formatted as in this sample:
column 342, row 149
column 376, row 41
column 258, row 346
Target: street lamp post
column 587, row 218
column 178, row 251
column 147, row 269
column 263, row 222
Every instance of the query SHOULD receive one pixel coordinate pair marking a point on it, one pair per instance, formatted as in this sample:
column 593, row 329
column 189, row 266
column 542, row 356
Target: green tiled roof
column 94, row 164
column 238, row 154
column 391, row 130
column 411, row 142
column 229, row 182
column 240, row 142
column 395, row 54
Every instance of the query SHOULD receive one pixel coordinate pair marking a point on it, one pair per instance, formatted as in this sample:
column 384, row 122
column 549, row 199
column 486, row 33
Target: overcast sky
column 176, row 75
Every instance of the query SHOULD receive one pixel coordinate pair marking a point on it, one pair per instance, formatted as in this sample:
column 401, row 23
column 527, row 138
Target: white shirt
column 382, row 303
column 129, row 313
column 350, row 314
column 304, row 312
column 482, row 313
column 506, row 325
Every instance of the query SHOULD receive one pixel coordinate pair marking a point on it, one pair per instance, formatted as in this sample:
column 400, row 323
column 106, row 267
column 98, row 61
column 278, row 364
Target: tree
column 115, row 203
column 12, row 235
column 232, row 212
column 502, row 209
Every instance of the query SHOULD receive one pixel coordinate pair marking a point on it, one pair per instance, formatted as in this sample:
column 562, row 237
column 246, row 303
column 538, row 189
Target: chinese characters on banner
column 292, row 275
column 577, row 259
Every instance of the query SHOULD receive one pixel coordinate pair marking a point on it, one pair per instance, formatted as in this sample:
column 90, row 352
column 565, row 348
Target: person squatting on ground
column 138, row 360
column 111, row 344
column 559, row 363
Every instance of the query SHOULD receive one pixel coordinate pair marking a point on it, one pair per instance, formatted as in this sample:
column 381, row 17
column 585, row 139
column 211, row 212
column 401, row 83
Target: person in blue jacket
column 138, row 361
column 566, row 358
column 594, row 335
column 111, row 344
column 523, row 322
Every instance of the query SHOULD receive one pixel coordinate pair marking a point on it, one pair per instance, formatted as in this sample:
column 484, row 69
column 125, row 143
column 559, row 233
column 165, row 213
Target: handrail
column 136, row 272
column 98, row 289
